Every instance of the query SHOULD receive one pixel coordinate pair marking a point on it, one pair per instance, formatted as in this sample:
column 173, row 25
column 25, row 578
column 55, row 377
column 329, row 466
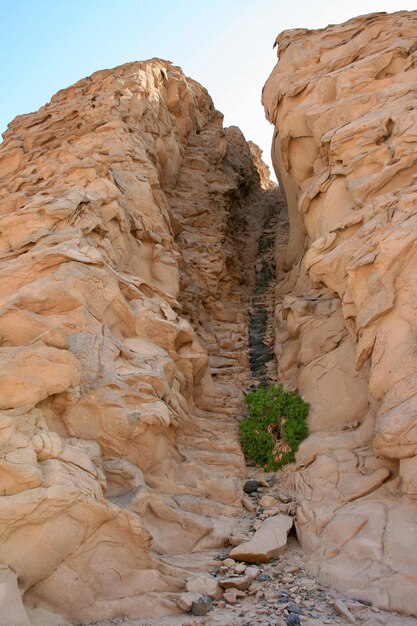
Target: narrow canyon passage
column 283, row 591
column 224, row 286
column 262, row 326
column 260, row 353
column 149, row 278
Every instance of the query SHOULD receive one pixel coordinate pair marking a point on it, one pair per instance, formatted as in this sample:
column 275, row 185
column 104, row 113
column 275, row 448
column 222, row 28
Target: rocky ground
column 276, row 593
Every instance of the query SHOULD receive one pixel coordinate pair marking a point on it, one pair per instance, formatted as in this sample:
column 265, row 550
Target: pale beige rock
column 342, row 609
column 185, row 600
column 232, row 595
column 252, row 571
column 12, row 611
column 236, row 582
column 239, row 568
column 248, row 504
column 342, row 102
column 204, row 584
column 268, row 501
column 267, row 543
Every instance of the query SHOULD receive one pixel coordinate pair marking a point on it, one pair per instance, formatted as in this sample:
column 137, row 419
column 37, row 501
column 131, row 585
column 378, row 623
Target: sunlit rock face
column 119, row 265
column 343, row 102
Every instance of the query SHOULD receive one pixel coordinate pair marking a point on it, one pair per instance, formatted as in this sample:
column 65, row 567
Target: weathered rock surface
column 12, row 611
column 342, row 100
column 127, row 245
column 267, row 543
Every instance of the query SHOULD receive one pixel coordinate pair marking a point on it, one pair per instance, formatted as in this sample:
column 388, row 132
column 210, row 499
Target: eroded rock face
column 342, row 101
column 120, row 286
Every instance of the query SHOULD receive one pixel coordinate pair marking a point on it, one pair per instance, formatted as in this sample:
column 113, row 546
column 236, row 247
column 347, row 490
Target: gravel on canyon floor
column 276, row 593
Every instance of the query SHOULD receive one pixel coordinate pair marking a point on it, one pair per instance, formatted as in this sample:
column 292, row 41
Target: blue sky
column 226, row 45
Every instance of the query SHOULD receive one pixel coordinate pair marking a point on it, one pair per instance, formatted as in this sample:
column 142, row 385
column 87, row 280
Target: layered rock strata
column 128, row 217
column 343, row 102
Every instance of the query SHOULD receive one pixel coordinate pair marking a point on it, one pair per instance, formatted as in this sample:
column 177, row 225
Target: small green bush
column 275, row 427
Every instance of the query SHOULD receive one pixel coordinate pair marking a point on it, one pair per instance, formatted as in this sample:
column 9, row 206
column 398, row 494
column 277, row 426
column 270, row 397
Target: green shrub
column 275, row 427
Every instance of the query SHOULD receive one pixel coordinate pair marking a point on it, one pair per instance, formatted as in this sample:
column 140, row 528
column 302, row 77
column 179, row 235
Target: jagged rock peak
column 343, row 103
column 128, row 240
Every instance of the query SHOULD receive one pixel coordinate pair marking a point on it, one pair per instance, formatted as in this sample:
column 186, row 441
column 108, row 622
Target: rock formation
column 128, row 242
column 342, row 100
column 130, row 224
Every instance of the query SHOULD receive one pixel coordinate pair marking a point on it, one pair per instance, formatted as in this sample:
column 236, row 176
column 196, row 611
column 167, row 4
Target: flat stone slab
column 267, row 543
column 238, row 582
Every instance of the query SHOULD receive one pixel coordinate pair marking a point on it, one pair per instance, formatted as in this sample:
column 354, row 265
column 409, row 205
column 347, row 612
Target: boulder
column 267, row 543
column 202, row 606
column 251, row 486
column 204, row 584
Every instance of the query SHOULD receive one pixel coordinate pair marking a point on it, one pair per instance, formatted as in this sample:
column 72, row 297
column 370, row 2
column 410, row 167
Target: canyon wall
column 128, row 221
column 343, row 102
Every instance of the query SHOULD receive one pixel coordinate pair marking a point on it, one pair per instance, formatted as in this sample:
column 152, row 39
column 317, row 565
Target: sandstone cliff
column 342, row 100
column 128, row 238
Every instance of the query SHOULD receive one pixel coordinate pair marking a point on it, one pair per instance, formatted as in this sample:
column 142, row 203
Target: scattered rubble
column 279, row 592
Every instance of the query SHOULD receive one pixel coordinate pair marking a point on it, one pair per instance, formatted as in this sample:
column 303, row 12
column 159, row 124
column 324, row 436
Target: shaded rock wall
column 127, row 215
column 342, row 100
